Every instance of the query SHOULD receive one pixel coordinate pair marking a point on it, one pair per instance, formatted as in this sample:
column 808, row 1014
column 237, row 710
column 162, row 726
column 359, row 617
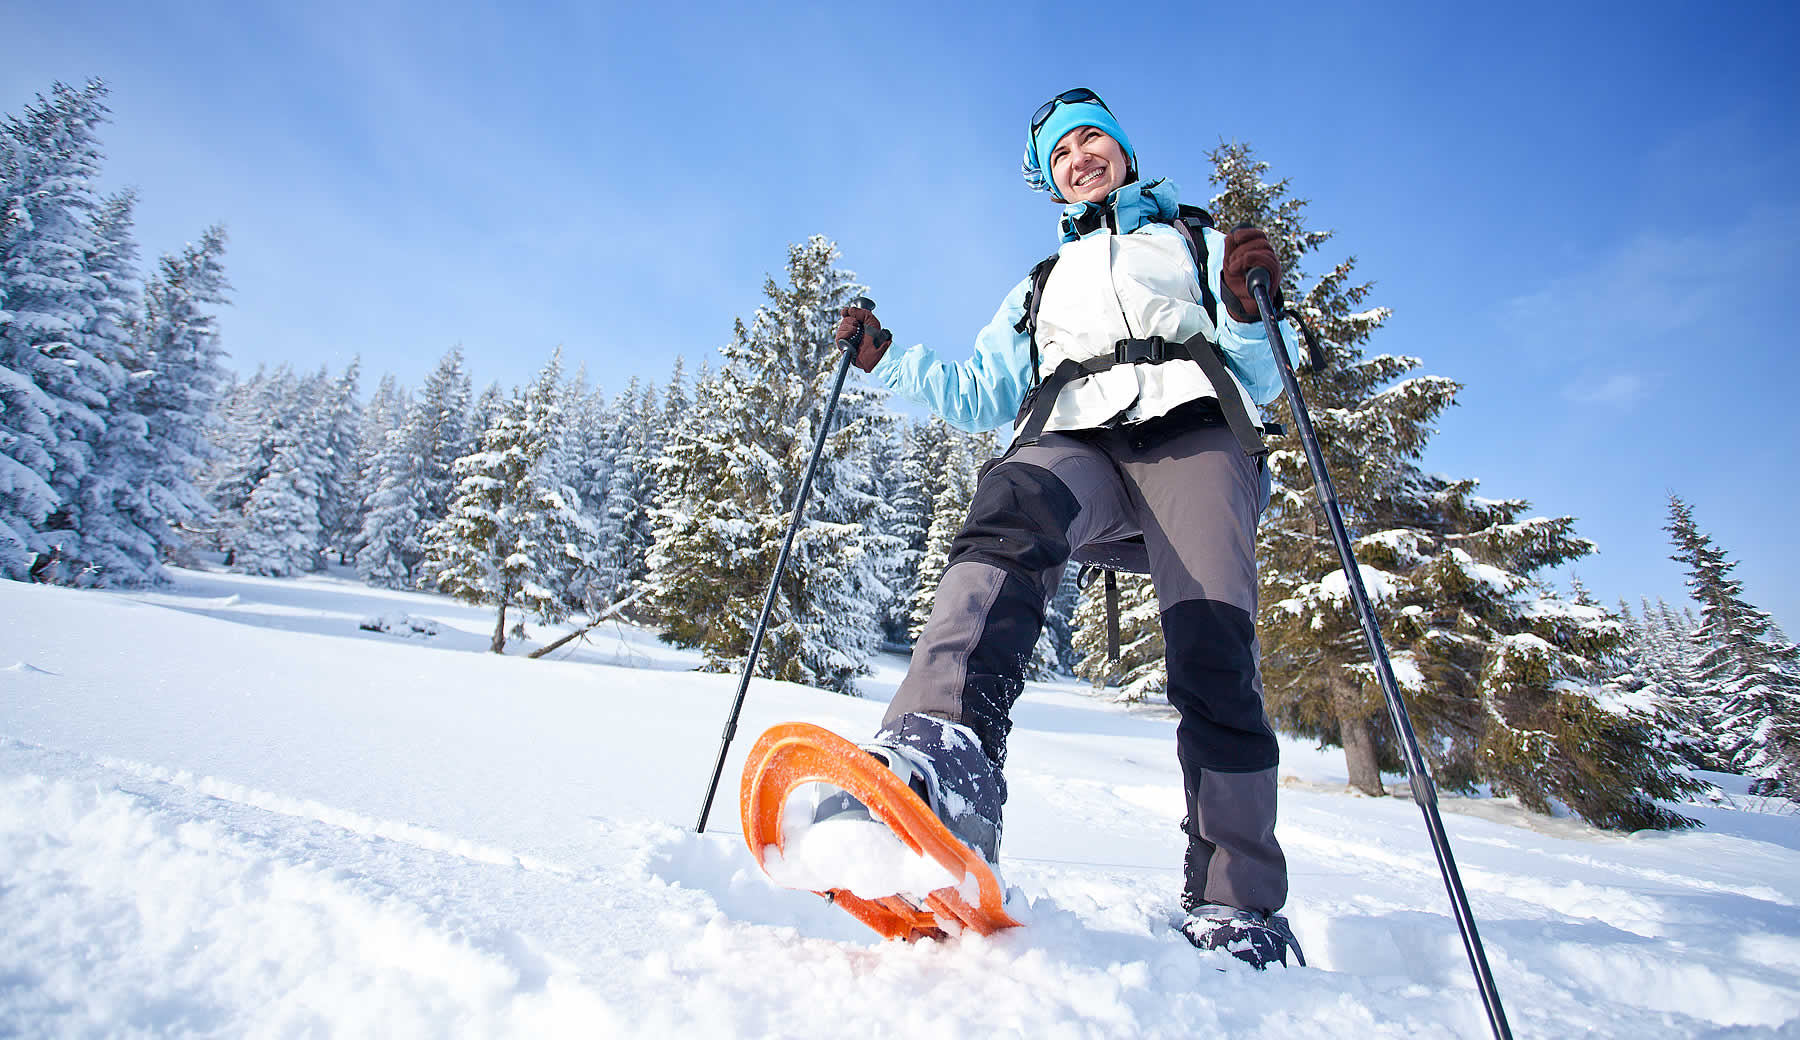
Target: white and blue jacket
column 1129, row 276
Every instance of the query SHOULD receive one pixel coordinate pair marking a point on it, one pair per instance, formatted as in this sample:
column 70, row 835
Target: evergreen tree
column 117, row 544
column 441, row 432
column 631, row 512
column 1504, row 680
column 281, row 525
column 921, row 477
column 886, row 460
column 956, row 467
column 675, row 402
column 1660, row 654
column 390, row 549
column 488, row 406
column 512, row 537
column 339, row 425
column 414, row 474
column 248, row 420
column 295, row 511
column 1141, row 669
column 590, row 473
column 53, row 388
column 728, row 478
column 1750, row 677
column 1059, row 623
column 180, row 385
column 385, row 411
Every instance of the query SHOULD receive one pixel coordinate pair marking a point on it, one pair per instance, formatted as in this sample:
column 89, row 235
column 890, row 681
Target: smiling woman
column 1132, row 392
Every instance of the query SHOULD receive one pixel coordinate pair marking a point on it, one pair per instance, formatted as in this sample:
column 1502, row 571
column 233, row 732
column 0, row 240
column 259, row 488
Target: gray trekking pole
column 847, row 347
column 1423, row 792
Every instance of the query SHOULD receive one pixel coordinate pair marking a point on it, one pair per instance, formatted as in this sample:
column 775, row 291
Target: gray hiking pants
column 1194, row 496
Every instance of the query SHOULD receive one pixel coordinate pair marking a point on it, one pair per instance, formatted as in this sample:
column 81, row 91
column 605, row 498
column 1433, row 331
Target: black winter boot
column 1258, row 940
column 944, row 765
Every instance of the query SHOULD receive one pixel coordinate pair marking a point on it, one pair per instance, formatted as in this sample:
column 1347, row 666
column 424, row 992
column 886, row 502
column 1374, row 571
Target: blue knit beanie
column 1066, row 117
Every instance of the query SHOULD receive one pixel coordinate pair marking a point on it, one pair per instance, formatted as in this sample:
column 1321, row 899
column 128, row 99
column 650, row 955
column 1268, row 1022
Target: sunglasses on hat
column 1067, row 97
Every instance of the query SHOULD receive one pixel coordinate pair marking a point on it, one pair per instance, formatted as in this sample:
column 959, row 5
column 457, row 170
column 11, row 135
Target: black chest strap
column 1041, row 401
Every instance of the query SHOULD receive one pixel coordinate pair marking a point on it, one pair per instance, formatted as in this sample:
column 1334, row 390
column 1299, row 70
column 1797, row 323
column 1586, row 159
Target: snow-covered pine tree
column 486, row 411
column 53, row 389
column 1749, row 677
column 414, row 474
column 280, row 526
column 242, row 436
column 955, row 464
column 590, row 468
column 441, row 431
column 512, row 537
column 1661, row 654
column 390, row 541
column 117, row 544
column 1503, row 679
column 1059, row 623
column 386, row 409
column 293, row 513
column 955, row 488
column 886, row 454
column 625, row 531
column 339, row 426
column 183, row 374
column 728, row 478
column 675, row 401
column 1141, row 669
column 921, row 477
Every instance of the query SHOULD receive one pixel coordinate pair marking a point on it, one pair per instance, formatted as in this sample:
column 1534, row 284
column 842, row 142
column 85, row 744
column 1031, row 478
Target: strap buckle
column 1133, row 351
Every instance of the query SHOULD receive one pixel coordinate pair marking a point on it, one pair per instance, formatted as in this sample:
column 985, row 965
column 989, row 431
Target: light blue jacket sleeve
column 974, row 395
column 1246, row 343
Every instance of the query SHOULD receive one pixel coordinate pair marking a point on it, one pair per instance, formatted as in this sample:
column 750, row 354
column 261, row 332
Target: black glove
column 1247, row 248
column 863, row 329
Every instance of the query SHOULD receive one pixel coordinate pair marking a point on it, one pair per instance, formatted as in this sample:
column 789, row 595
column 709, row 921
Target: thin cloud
column 1621, row 390
column 1659, row 284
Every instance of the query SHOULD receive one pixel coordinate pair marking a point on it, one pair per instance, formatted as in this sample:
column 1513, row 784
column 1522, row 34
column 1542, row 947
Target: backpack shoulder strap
column 1034, row 297
column 1193, row 222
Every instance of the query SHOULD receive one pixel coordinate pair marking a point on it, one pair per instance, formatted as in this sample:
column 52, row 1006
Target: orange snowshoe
column 796, row 753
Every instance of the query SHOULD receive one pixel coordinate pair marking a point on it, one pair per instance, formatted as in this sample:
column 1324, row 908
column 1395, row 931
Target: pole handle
column 849, row 346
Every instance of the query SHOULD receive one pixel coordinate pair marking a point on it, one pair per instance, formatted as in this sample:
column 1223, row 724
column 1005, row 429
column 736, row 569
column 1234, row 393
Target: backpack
column 1040, row 399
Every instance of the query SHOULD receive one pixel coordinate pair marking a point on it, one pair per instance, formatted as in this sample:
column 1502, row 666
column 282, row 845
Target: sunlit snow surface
column 226, row 809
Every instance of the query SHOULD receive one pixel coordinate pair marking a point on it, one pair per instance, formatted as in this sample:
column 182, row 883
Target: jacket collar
column 1128, row 208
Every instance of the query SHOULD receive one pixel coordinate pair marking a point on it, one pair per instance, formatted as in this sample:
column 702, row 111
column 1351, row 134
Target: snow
column 1379, row 584
column 1502, row 582
column 860, row 855
column 227, row 809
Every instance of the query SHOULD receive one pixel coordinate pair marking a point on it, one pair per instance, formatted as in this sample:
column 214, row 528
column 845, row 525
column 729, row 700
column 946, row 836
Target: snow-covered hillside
column 228, row 809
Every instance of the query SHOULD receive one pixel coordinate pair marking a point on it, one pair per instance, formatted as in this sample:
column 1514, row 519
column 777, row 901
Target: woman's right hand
column 1247, row 248
column 871, row 343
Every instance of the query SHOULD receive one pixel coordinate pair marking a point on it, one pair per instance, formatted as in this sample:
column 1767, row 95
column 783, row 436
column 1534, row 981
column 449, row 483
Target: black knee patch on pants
column 1018, row 524
column 1213, row 684
column 1018, row 521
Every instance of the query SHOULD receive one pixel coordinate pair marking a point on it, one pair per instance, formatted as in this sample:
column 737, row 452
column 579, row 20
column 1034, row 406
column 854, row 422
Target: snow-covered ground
column 228, row 809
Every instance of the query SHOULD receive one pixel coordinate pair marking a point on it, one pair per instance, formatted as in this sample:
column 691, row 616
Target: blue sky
column 1587, row 213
